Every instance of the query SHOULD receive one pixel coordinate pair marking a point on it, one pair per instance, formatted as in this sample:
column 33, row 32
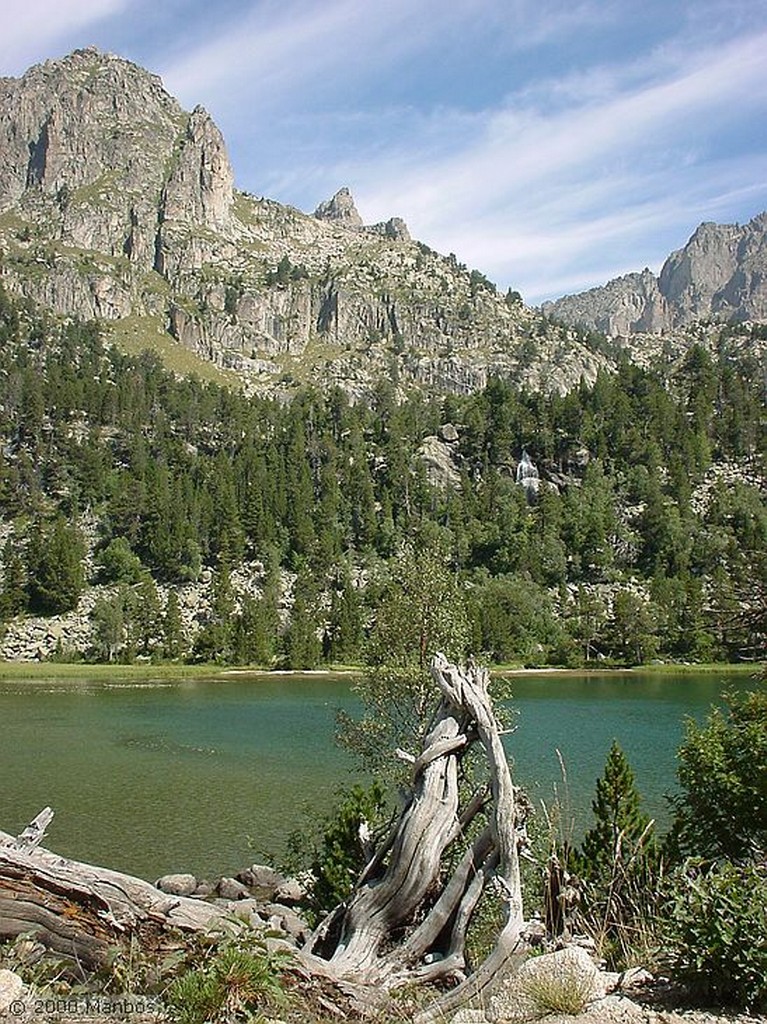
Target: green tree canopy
column 722, row 809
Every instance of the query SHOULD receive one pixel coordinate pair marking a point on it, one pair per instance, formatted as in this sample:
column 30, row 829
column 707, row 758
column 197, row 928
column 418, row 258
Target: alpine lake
column 211, row 775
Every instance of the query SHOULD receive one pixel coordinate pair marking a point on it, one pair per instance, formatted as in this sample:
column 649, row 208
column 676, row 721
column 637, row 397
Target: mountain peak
column 340, row 209
column 717, row 275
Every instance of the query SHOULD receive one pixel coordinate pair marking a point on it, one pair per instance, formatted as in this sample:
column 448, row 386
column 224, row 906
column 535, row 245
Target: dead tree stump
column 408, row 917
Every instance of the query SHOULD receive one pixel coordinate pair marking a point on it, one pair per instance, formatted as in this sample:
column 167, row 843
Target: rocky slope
column 117, row 204
column 720, row 275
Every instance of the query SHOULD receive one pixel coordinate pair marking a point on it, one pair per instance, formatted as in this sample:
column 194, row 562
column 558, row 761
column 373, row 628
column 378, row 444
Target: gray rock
column 439, row 463
column 177, row 885
column 634, row 979
column 248, row 910
column 11, row 993
column 340, row 209
column 291, row 891
column 395, row 228
column 287, row 920
column 718, row 274
column 533, row 990
column 262, row 877
column 231, row 889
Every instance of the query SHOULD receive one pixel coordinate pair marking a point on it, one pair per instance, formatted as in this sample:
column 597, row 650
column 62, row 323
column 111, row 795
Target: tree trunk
column 406, row 921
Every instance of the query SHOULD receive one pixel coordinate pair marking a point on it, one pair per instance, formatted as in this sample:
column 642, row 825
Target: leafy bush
column 339, row 856
column 117, row 563
column 717, row 927
column 722, row 810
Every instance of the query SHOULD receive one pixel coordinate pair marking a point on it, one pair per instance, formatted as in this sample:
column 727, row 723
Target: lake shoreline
column 63, row 672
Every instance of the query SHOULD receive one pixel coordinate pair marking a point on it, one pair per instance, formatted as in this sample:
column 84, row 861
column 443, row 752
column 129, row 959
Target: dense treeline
column 633, row 548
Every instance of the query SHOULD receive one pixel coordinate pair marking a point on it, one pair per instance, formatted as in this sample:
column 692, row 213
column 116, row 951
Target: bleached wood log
column 403, row 923
column 84, row 911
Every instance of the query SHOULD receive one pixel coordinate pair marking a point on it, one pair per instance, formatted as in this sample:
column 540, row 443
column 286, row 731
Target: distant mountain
column 117, row 204
column 719, row 275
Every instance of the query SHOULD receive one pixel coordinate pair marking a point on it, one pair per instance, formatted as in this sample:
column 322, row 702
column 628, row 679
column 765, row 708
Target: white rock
column 11, row 992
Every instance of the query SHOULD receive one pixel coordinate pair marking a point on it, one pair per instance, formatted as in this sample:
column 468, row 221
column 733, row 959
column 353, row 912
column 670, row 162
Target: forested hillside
column 176, row 518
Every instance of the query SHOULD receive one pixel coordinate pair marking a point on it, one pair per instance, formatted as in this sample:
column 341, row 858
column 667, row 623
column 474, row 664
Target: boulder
column 290, row 892
column 11, row 994
column 562, row 982
column 231, row 889
column 248, row 910
column 177, row 885
column 285, row 919
column 261, row 877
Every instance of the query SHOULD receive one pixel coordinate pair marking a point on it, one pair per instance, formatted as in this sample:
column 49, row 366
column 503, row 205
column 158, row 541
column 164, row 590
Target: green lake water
column 208, row 776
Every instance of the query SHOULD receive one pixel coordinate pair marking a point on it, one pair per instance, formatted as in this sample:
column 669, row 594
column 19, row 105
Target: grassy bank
column 47, row 671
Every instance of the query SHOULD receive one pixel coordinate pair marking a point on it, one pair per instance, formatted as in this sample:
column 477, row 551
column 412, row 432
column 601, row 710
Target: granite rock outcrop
column 719, row 275
column 118, row 205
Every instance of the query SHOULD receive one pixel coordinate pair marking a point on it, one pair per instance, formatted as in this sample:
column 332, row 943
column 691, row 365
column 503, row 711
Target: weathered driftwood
column 86, row 912
column 405, row 921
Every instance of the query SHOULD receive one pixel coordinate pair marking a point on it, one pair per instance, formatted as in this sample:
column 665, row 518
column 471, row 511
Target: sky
column 551, row 144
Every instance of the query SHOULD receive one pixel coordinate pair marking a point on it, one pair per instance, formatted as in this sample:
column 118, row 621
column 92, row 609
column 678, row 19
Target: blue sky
column 550, row 144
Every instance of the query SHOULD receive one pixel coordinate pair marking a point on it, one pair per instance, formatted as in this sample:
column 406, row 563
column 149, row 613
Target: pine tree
column 13, row 595
column 619, row 823
column 303, row 649
column 345, row 633
column 173, row 627
column 55, row 576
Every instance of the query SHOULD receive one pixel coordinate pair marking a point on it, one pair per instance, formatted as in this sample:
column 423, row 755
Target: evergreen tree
column 619, row 824
column 214, row 642
column 173, row 627
column 55, row 575
column 13, row 595
column 303, row 649
column 116, row 563
column 344, row 633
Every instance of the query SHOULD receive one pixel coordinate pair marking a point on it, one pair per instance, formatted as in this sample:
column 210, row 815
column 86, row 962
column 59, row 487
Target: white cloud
column 32, row 29
column 285, row 48
column 553, row 187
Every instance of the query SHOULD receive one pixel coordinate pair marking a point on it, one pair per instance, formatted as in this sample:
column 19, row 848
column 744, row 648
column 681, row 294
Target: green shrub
column 717, row 927
column 338, row 855
column 722, row 810
column 236, row 981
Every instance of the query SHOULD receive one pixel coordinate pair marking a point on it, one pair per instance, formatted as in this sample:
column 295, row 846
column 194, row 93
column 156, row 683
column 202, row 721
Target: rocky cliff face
column 117, row 204
column 720, row 274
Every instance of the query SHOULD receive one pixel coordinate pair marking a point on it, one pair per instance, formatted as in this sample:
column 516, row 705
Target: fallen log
column 86, row 912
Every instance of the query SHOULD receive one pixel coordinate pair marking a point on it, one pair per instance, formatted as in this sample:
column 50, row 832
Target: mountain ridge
column 718, row 275
column 118, row 205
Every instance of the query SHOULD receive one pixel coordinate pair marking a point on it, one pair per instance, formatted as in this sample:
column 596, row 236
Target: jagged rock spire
column 340, row 209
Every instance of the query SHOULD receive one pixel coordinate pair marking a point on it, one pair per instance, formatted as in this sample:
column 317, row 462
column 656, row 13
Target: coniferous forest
column 645, row 540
